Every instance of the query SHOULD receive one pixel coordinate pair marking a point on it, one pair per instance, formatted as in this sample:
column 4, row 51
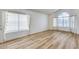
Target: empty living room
column 39, row 28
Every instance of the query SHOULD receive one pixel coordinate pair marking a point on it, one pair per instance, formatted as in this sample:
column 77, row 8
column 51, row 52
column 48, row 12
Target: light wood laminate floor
column 44, row 40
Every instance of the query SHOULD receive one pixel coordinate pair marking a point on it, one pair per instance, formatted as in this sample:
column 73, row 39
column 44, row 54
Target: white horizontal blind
column 23, row 22
column 16, row 22
column 11, row 22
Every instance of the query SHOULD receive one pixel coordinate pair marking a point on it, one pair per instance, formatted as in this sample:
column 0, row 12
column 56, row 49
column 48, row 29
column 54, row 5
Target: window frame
column 63, row 24
column 17, row 22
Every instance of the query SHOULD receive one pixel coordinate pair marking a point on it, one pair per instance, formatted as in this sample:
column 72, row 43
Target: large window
column 16, row 22
column 24, row 22
column 64, row 20
column 11, row 22
column 54, row 22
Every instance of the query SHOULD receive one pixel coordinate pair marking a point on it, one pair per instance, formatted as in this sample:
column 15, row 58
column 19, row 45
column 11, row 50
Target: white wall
column 38, row 23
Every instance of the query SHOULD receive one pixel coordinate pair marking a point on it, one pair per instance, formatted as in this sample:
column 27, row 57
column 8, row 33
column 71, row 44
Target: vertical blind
column 16, row 22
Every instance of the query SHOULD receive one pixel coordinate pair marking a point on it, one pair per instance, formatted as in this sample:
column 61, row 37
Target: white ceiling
column 46, row 11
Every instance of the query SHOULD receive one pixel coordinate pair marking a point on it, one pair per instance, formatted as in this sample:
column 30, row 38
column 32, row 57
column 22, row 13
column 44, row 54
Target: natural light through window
column 16, row 22
column 64, row 20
